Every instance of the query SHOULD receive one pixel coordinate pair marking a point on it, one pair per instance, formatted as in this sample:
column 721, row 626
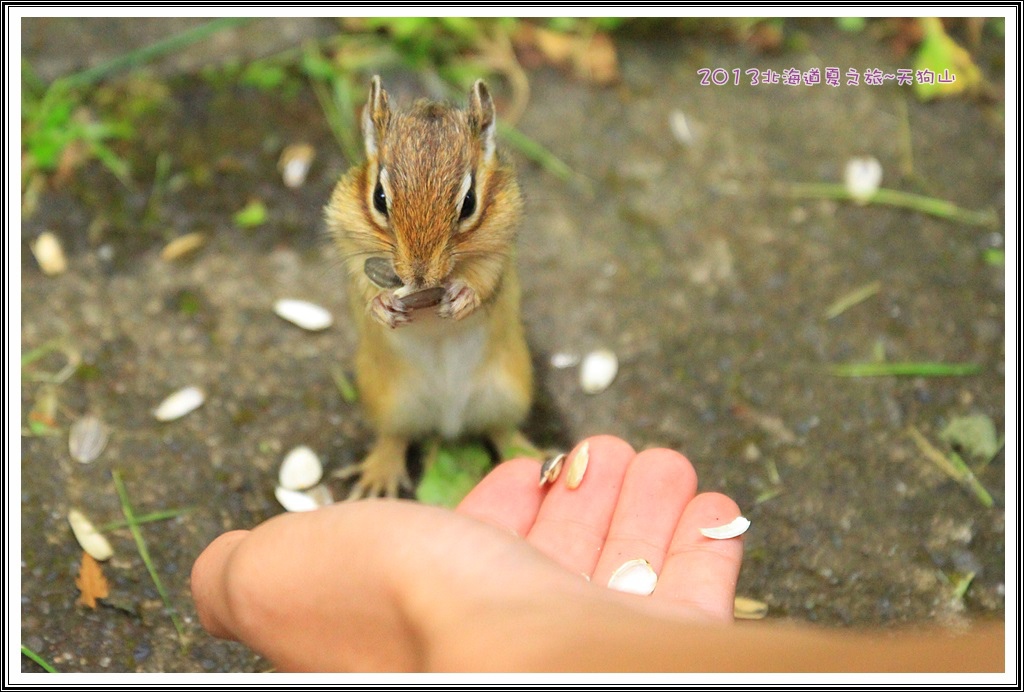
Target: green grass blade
column 153, row 51
column 40, row 351
column 140, row 543
column 536, row 152
column 905, row 369
column 952, row 465
column 39, row 660
column 145, row 518
column 857, row 295
column 344, row 384
column 895, row 198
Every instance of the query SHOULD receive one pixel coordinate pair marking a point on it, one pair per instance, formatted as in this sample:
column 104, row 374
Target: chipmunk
column 432, row 217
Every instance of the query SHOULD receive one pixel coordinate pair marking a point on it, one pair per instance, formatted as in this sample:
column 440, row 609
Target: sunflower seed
column 550, row 469
column 416, row 300
column 380, row 272
column 182, row 402
column 598, row 370
column 300, row 469
column 634, row 576
column 87, row 439
column 734, row 528
column 303, row 314
column 91, row 540
column 303, row 500
column 49, row 254
column 577, row 467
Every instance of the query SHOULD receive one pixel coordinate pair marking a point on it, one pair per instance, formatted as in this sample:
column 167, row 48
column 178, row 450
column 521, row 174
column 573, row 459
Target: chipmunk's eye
column 380, row 200
column 468, row 204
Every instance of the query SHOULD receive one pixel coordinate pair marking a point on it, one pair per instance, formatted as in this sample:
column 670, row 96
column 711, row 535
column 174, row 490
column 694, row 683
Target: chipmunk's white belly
column 445, row 393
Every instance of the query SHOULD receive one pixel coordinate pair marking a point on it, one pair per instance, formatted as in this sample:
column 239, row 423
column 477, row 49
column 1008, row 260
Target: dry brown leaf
column 591, row 57
column 91, row 582
column 597, row 61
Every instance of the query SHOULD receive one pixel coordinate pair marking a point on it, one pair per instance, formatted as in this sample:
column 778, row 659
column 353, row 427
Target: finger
column 209, row 588
column 572, row 524
column 508, row 497
column 659, row 483
column 317, row 590
column 701, row 572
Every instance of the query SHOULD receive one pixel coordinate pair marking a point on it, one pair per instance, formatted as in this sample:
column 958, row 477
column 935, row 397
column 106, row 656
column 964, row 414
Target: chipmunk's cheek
column 459, row 300
column 389, row 310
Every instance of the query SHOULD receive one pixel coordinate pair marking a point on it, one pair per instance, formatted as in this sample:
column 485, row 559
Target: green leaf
column 264, row 76
column 995, row 256
column 939, row 53
column 975, row 435
column 453, row 472
column 851, row 24
column 316, row 66
column 251, row 215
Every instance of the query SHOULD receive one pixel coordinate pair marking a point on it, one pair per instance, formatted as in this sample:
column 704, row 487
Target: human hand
column 391, row 585
column 628, row 506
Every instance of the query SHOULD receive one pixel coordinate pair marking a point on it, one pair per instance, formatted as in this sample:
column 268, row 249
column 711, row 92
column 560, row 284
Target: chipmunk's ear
column 376, row 116
column 481, row 117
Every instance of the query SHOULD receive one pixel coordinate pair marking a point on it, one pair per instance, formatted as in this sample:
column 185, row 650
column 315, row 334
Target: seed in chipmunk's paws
column 381, row 273
column 427, row 298
column 734, row 528
column 634, row 576
column 550, row 469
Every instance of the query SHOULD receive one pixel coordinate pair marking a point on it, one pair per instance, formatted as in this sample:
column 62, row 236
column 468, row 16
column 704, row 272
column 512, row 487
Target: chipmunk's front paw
column 381, row 474
column 389, row 310
column 459, row 300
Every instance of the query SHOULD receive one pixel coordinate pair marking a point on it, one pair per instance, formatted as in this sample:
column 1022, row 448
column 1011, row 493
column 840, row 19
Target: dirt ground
column 709, row 285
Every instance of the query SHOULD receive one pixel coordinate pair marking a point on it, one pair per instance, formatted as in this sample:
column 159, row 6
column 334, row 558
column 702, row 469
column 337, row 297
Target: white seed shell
column 577, row 467
column 736, row 527
column 862, row 178
column 49, row 254
column 91, row 540
column 634, row 576
column 87, row 438
column 300, row 469
column 303, row 314
column 563, row 360
column 182, row 402
column 680, row 128
column 294, row 164
column 303, row 500
column 598, row 370
column 749, row 609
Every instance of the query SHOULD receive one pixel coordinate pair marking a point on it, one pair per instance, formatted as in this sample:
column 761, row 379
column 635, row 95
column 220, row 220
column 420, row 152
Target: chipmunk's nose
column 419, row 273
